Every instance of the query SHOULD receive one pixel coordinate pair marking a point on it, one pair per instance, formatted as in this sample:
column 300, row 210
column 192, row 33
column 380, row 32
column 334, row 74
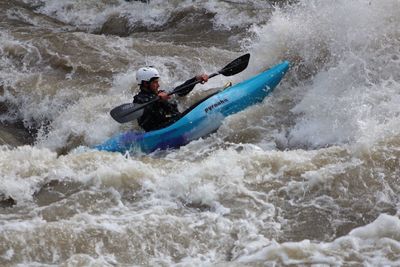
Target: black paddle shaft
column 131, row 111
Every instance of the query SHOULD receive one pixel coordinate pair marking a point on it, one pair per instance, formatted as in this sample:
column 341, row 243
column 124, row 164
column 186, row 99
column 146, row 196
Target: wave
column 125, row 17
column 341, row 89
column 249, row 205
column 309, row 176
column 348, row 52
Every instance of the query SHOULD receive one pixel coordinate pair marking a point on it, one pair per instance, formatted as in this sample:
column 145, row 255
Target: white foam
column 354, row 59
column 23, row 170
column 212, row 198
column 167, row 185
column 381, row 235
column 385, row 226
column 92, row 14
column 86, row 122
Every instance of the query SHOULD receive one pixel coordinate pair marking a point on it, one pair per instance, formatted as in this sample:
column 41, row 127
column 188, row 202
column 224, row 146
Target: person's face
column 154, row 85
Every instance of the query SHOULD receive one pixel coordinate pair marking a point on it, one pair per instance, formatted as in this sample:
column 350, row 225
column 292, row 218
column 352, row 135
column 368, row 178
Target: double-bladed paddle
column 131, row 111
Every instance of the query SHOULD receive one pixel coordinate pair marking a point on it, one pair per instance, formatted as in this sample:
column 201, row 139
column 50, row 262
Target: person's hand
column 164, row 96
column 203, row 78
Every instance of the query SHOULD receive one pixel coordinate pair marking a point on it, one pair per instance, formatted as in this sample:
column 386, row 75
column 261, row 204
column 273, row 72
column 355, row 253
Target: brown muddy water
column 309, row 177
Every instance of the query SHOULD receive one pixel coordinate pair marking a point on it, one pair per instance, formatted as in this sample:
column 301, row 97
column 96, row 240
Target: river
column 309, row 177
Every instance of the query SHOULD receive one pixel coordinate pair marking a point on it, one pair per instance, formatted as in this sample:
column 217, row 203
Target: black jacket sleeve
column 143, row 98
column 188, row 89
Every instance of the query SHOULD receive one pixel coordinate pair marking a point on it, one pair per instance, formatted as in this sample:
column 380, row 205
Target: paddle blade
column 126, row 112
column 236, row 66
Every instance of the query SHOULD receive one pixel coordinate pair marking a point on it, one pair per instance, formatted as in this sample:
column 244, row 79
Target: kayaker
column 165, row 111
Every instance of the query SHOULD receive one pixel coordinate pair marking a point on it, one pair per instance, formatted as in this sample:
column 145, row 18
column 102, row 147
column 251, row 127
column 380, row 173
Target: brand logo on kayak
column 219, row 103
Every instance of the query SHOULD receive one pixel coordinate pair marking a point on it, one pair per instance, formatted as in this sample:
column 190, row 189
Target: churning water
column 309, row 177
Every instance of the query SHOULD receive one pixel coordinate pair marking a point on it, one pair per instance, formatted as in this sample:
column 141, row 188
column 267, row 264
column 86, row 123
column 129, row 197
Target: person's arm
column 203, row 78
column 163, row 95
column 143, row 98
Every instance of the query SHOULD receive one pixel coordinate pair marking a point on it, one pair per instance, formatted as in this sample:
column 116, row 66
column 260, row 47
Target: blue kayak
column 203, row 118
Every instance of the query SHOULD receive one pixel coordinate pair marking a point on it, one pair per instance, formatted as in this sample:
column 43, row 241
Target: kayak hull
column 204, row 118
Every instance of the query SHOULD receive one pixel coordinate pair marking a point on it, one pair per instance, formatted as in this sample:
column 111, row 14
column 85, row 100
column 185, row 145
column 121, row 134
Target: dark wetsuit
column 160, row 113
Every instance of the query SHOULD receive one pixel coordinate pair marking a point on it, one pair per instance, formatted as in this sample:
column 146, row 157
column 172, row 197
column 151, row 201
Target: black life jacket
column 161, row 113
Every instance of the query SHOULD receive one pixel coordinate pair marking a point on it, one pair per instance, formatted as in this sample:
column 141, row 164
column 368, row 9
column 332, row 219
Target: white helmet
column 146, row 74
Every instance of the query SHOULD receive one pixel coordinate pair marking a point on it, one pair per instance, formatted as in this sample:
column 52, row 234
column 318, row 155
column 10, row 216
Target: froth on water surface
column 308, row 177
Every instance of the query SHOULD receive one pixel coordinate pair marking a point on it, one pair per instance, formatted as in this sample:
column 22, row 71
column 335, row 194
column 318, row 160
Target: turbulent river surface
column 309, row 177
